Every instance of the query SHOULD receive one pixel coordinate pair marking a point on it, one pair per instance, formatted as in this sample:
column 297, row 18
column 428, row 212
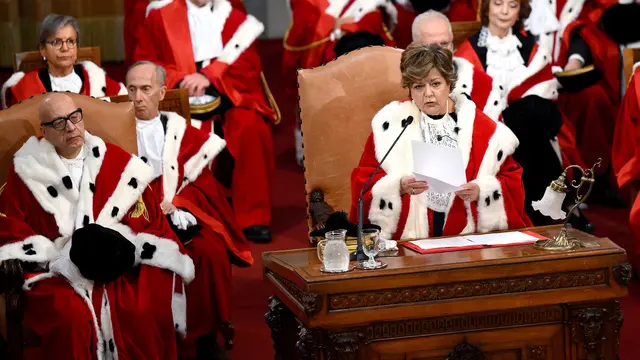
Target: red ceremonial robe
column 626, row 156
column 486, row 148
column 134, row 12
column 22, row 86
column 536, row 80
column 187, row 184
column 310, row 40
column 133, row 317
column 590, row 109
column 166, row 40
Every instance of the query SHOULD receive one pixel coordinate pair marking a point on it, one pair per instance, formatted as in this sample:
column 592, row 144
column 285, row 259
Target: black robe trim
column 43, row 74
column 528, row 42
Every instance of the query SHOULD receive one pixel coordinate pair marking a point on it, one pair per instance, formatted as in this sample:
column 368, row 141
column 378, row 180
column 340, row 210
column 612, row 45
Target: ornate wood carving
column 473, row 322
column 537, row 352
column 307, row 344
column 319, row 210
column 617, row 318
column 622, row 274
column 345, row 346
column 466, row 351
column 588, row 329
column 275, row 318
column 468, row 289
column 310, row 302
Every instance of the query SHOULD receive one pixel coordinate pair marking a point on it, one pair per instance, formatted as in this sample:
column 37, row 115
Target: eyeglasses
column 57, row 43
column 60, row 123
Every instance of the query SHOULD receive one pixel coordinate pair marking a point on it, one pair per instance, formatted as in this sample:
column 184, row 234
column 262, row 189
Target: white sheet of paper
column 451, row 242
column 511, row 237
column 440, row 166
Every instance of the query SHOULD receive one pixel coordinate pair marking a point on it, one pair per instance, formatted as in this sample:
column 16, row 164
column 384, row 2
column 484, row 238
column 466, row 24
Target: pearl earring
column 44, row 58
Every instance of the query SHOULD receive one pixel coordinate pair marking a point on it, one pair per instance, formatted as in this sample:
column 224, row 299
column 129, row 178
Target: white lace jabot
column 71, row 82
column 504, row 62
column 206, row 32
column 150, row 136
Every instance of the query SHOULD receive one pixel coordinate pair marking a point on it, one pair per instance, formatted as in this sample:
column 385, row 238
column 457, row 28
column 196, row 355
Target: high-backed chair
column 630, row 56
column 337, row 102
column 28, row 60
column 175, row 100
column 114, row 123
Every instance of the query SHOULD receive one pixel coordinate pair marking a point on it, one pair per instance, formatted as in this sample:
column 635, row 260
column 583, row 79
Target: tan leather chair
column 174, row 100
column 337, row 104
column 28, row 60
column 114, row 123
column 630, row 56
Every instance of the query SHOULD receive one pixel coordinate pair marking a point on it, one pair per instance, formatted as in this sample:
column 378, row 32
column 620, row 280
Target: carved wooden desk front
column 499, row 303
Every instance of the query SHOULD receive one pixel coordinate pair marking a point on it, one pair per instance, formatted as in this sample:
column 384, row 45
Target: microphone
column 359, row 254
column 440, row 137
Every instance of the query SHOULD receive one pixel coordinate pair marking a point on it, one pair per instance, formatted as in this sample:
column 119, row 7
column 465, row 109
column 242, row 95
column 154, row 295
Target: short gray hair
column 424, row 17
column 54, row 22
column 161, row 73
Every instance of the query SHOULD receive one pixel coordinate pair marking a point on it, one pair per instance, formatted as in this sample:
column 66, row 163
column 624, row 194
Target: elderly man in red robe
column 180, row 156
column 101, row 260
column 208, row 48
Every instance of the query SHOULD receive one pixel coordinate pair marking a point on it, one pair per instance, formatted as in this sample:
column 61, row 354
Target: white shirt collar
column 71, row 82
column 193, row 8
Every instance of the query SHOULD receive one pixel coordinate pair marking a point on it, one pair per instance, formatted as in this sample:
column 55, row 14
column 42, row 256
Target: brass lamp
column 551, row 205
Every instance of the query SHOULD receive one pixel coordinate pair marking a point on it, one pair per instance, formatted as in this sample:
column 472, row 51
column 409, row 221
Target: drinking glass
column 371, row 247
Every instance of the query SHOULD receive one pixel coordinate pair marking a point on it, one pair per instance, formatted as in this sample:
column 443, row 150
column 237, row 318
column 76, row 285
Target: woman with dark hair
column 526, row 101
column 58, row 44
column 493, row 198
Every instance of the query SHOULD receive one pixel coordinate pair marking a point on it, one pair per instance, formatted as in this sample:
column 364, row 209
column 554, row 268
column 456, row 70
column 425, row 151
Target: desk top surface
column 305, row 264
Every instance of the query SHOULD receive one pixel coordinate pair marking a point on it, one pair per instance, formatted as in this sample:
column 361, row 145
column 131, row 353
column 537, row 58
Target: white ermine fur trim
column 64, row 267
column 241, row 40
column 202, row 159
column 166, row 255
column 196, row 123
column 360, row 8
column 157, row 4
column 41, row 170
column 35, row 248
column 541, row 59
column 417, row 225
column 126, row 193
column 386, row 126
column 464, row 70
column 179, row 308
column 28, row 284
column 97, row 79
column 570, row 12
column 546, row 89
column 386, row 204
column 122, row 91
column 85, row 294
column 495, row 103
column 491, row 212
column 92, row 165
column 635, row 67
column 106, row 325
column 176, row 126
column 14, row 79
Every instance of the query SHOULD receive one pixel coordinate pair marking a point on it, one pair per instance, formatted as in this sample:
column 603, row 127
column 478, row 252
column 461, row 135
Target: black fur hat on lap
column 619, row 21
column 340, row 220
column 101, row 254
column 355, row 41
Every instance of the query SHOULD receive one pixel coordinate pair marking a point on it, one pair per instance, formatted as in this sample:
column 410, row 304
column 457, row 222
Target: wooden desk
column 510, row 303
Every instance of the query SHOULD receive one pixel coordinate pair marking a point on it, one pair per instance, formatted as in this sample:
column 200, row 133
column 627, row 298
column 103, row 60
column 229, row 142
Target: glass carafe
column 333, row 251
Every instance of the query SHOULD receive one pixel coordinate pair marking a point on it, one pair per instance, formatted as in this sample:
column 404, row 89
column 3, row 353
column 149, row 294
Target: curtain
column 100, row 21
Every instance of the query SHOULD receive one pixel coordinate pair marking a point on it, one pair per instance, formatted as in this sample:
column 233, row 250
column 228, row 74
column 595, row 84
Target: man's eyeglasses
column 60, row 123
column 57, row 43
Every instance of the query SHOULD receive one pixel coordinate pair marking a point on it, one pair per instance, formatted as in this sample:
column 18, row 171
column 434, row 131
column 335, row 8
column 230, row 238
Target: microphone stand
column 359, row 255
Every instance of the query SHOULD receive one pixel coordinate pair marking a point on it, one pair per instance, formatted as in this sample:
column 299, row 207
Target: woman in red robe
column 59, row 40
column 493, row 198
column 522, row 71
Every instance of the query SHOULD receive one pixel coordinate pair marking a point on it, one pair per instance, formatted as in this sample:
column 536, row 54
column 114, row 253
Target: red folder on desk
column 478, row 241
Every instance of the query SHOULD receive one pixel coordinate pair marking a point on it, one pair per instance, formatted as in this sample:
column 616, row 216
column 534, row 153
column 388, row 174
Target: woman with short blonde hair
column 403, row 207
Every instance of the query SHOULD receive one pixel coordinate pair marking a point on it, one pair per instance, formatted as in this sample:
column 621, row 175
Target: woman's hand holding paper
column 409, row 185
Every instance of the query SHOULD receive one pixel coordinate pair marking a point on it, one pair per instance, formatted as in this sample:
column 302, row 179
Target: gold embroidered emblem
column 140, row 209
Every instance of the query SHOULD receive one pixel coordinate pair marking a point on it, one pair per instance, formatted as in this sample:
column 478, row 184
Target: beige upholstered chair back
column 114, row 123
column 28, row 60
column 337, row 104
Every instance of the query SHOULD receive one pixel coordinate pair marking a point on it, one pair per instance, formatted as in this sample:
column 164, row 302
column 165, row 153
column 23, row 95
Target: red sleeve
column 113, row 87
column 17, row 239
column 466, row 51
column 372, row 22
column 148, row 46
column 626, row 152
column 154, row 222
column 510, row 178
column 359, row 177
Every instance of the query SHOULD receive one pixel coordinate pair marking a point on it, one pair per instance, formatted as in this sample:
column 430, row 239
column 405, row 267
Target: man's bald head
column 69, row 140
column 433, row 27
